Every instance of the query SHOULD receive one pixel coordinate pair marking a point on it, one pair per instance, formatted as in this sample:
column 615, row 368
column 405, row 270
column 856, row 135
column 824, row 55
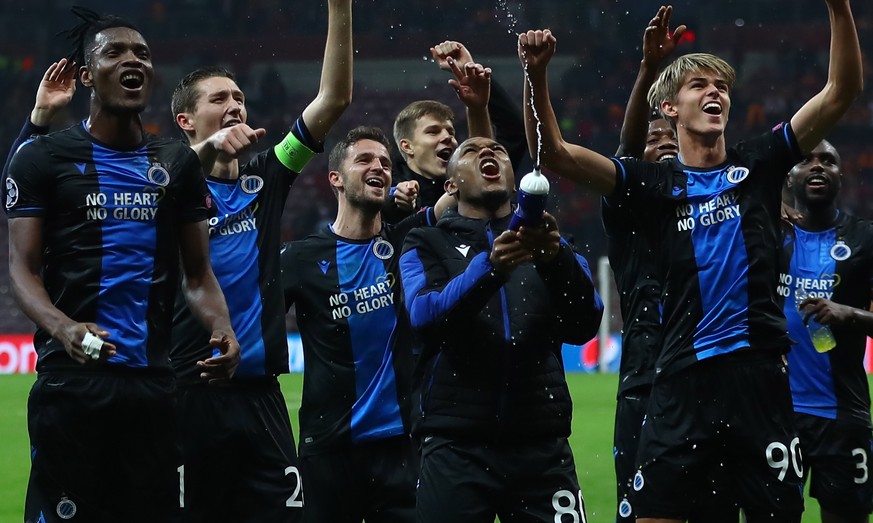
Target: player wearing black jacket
column 492, row 308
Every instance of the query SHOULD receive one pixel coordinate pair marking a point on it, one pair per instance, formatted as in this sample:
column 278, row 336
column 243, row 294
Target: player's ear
column 668, row 109
column 406, row 147
column 184, row 121
column 335, row 179
column 85, row 76
column 451, row 187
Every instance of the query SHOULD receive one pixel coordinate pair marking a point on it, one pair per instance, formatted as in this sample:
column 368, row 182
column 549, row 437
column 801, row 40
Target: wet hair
column 186, row 92
column 655, row 114
column 84, row 34
column 669, row 82
column 362, row 132
column 404, row 124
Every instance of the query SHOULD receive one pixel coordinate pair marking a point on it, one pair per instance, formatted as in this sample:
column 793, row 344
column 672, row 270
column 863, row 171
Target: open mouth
column 817, row 180
column 230, row 123
column 375, row 182
column 712, row 108
column 666, row 156
column 132, row 80
column 444, row 154
column 489, row 169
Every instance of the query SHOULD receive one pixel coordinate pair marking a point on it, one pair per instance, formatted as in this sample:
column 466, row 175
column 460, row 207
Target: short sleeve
column 29, row 182
column 775, row 151
column 637, row 181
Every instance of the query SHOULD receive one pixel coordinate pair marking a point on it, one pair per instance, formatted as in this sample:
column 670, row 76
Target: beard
column 359, row 201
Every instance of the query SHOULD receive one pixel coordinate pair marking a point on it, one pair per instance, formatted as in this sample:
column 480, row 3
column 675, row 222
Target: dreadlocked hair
column 82, row 35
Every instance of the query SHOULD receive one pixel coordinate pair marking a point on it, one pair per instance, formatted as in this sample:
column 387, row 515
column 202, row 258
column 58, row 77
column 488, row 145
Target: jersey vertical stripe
column 129, row 244
column 372, row 327
column 722, row 263
column 234, row 252
column 812, row 269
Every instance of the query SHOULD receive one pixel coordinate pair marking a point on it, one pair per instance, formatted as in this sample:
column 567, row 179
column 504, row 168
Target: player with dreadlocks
column 98, row 215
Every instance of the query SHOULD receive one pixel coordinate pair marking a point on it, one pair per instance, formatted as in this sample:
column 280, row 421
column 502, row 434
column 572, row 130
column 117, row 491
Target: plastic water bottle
column 822, row 336
column 532, row 196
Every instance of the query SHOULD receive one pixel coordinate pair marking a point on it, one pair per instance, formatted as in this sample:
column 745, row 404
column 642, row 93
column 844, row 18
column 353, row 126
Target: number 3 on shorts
column 780, row 457
column 861, row 454
column 568, row 507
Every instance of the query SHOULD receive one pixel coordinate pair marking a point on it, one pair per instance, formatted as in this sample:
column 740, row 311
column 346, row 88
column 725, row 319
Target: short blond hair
column 667, row 86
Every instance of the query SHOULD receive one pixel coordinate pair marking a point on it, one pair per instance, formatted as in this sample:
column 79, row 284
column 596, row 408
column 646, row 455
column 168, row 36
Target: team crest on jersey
column 624, row 508
column 11, row 193
column 158, row 175
column 383, row 249
column 839, row 252
column 639, row 482
column 251, row 184
column 736, row 174
column 66, row 509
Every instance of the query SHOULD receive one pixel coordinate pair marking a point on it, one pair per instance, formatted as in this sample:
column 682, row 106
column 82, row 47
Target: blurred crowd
column 778, row 47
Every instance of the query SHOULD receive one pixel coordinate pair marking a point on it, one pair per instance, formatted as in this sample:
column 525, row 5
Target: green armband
column 292, row 153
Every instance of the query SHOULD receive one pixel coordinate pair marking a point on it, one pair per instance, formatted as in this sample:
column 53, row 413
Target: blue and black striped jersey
column 357, row 343
column 244, row 245
column 111, row 234
column 836, row 264
column 717, row 234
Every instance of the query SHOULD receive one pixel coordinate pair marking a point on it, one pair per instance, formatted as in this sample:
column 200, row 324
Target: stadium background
column 779, row 48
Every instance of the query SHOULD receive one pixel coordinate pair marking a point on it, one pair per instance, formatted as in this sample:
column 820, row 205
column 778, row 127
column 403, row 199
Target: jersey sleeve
column 637, row 182
column 28, row 132
column 776, row 151
column 194, row 199
column 29, row 181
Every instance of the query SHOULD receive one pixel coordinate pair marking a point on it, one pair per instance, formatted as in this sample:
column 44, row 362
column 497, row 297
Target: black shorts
column 472, row 482
column 837, row 455
column 727, row 417
column 103, row 446
column 372, row 481
column 713, row 503
column 240, row 462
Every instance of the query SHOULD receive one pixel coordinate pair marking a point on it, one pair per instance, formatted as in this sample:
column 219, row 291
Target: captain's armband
column 292, row 153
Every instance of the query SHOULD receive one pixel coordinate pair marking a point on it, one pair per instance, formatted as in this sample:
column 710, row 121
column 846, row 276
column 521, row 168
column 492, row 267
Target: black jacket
column 491, row 366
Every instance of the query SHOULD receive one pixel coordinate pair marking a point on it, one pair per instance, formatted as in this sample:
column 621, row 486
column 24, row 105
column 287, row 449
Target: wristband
column 292, row 153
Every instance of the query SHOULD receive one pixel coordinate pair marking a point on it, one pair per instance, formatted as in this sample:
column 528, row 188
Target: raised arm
column 581, row 165
column 335, row 90
column 845, row 81
column 506, row 120
column 471, row 82
column 658, row 44
column 206, row 301
column 55, row 91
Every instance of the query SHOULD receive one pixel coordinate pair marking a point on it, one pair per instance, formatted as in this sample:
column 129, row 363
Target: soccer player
column 246, row 421
column 632, row 259
column 354, row 433
column 716, row 216
column 424, row 131
column 492, row 308
column 98, row 216
column 827, row 277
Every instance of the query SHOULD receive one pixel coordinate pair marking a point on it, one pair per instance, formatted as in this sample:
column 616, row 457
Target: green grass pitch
column 593, row 396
